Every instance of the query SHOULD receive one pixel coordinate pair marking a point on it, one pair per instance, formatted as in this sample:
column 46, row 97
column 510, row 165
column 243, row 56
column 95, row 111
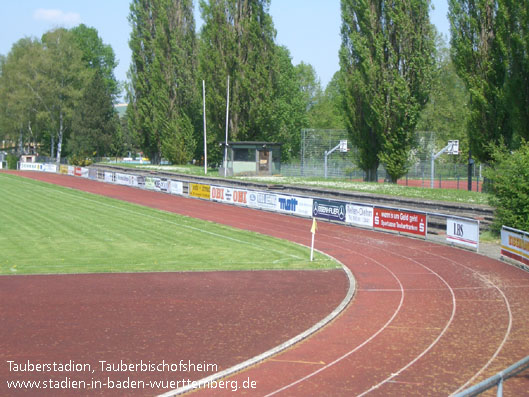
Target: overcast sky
column 310, row 29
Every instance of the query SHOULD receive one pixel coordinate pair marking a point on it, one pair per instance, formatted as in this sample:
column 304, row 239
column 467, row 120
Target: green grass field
column 51, row 229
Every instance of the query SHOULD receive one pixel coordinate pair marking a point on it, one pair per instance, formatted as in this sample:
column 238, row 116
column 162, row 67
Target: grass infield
column 51, row 229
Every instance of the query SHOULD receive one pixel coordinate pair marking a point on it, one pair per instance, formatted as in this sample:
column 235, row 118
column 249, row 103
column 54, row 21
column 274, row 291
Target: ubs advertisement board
column 399, row 221
column 329, row 209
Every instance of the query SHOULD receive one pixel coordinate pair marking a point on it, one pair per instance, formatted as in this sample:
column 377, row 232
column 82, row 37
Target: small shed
column 253, row 158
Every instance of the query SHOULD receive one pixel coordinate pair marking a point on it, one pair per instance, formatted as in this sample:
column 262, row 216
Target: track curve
column 426, row 319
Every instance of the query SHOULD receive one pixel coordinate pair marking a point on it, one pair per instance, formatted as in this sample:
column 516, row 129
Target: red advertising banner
column 400, row 221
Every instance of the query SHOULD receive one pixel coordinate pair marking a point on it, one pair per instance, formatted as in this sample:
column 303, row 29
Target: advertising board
column 176, row 187
column 229, row 195
column 109, row 176
column 200, row 191
column 92, row 173
column 400, row 221
column 515, row 244
column 49, row 168
column 123, row 179
column 63, row 169
column 359, row 215
column 294, row 205
column 161, row 184
column 262, row 200
column 150, row 182
column 30, row 166
column 329, row 209
column 463, row 232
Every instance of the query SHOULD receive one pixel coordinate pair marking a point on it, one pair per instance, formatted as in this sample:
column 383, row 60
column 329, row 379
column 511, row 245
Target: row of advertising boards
column 459, row 231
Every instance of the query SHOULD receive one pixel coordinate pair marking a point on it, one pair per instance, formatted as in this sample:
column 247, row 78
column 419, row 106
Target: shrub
column 80, row 161
column 509, row 177
column 12, row 162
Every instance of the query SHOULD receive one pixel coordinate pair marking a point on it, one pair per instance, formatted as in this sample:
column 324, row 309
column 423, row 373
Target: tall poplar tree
column 480, row 55
column 162, row 93
column 238, row 40
column 386, row 60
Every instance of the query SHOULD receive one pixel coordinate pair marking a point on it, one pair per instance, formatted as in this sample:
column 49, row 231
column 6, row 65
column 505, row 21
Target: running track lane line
column 494, row 355
column 393, row 375
column 506, row 301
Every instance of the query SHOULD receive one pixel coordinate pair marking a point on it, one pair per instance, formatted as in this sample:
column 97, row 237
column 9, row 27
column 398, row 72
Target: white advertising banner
column 31, row 166
column 229, row 195
column 463, row 232
column 109, row 176
column 359, row 215
column 123, row 179
column 49, row 168
column 262, row 200
column 176, row 187
column 294, row 205
column 71, row 170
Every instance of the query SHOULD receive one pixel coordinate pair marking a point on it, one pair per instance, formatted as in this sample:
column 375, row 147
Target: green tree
column 386, row 60
column 480, row 55
column 238, row 40
column 310, row 84
column 97, row 56
column 162, row 93
column 509, row 177
column 327, row 111
column 58, row 83
column 94, row 122
column 447, row 110
column 516, row 37
column 289, row 108
column 18, row 104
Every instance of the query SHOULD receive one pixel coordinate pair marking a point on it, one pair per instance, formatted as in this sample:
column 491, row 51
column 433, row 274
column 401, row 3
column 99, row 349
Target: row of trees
column 393, row 84
column 170, row 61
column 57, row 94
column 58, row 91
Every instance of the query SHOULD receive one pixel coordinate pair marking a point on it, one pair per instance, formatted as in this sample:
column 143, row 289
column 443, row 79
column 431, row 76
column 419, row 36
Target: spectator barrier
column 459, row 230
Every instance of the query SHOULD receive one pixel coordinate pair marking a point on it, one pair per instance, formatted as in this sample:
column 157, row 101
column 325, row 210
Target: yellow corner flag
column 314, row 226
column 313, row 231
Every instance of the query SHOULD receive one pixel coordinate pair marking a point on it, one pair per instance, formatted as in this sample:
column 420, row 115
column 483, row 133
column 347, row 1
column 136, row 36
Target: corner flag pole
column 313, row 231
column 205, row 137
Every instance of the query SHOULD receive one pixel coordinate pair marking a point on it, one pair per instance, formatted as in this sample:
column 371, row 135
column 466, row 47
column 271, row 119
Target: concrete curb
column 289, row 343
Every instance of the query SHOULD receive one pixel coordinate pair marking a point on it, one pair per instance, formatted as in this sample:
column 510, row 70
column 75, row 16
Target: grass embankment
column 50, row 229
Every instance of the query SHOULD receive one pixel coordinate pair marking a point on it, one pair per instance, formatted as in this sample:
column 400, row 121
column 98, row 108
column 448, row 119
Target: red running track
column 426, row 319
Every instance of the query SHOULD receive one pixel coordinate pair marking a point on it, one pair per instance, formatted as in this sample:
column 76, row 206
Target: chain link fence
column 448, row 171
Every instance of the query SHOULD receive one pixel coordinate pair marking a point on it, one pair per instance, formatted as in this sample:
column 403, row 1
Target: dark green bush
column 12, row 162
column 509, row 185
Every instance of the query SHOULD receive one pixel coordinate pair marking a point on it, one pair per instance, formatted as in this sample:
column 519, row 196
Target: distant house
column 253, row 158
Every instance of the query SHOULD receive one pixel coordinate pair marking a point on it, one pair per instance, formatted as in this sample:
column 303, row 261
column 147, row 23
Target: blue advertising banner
column 329, row 209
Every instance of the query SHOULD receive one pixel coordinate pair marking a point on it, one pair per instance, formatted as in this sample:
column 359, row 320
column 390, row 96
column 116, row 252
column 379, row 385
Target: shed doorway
column 264, row 162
